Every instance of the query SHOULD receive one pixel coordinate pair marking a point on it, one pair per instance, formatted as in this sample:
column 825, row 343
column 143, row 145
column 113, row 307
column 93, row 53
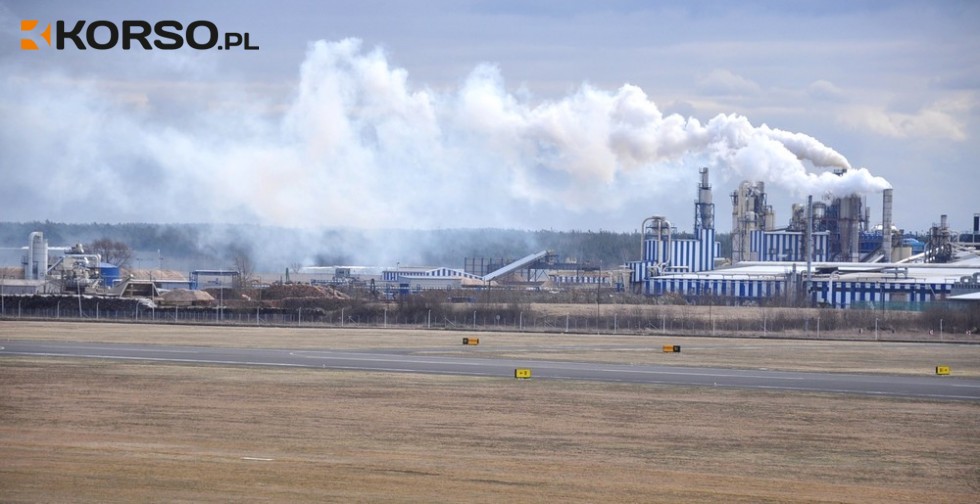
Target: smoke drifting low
column 359, row 145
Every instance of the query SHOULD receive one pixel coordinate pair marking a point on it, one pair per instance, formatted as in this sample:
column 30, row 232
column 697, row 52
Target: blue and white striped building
column 825, row 291
column 395, row 275
column 787, row 245
column 740, row 288
column 685, row 255
column 838, row 285
column 846, row 294
column 579, row 279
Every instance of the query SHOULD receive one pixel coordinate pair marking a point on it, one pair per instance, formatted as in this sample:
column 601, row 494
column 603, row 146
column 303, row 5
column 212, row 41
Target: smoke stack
column 704, row 212
column 886, row 224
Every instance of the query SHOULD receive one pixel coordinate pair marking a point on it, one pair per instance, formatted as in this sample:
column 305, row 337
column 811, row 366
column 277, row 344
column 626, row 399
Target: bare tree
column 245, row 267
column 112, row 252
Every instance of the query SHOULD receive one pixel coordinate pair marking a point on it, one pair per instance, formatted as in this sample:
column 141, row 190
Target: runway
column 927, row 386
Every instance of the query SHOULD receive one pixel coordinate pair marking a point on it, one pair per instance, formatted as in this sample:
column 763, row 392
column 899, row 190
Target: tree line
column 211, row 245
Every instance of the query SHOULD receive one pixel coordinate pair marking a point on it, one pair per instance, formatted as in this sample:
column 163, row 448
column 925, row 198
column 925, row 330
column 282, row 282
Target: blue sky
column 554, row 115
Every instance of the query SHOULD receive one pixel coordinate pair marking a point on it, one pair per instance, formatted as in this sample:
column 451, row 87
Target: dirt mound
column 187, row 296
column 283, row 291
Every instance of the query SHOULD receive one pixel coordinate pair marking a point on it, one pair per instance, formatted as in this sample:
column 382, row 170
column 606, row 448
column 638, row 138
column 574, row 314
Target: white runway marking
column 696, row 373
column 342, row 356
column 157, row 359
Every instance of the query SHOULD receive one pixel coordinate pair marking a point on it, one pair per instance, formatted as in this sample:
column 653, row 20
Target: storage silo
column 36, row 261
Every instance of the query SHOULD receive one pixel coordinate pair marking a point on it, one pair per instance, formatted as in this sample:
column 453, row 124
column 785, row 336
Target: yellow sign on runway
column 522, row 373
column 942, row 370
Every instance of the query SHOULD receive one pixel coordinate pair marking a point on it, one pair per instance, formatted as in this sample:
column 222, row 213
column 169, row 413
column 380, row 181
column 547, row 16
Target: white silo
column 36, row 261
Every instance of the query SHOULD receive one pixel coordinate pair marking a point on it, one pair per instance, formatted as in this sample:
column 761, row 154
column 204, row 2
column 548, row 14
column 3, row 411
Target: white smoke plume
column 361, row 146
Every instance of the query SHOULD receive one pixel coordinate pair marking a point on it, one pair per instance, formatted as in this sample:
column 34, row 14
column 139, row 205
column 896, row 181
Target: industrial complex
column 827, row 254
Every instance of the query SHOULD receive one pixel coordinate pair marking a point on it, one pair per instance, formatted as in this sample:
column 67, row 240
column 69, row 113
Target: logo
column 136, row 34
column 27, row 25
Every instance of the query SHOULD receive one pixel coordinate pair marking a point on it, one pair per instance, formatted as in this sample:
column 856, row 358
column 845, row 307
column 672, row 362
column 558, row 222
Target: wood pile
column 284, row 291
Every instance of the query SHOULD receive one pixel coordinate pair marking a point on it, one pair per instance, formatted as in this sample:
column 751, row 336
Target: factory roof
column 844, row 272
column 973, row 296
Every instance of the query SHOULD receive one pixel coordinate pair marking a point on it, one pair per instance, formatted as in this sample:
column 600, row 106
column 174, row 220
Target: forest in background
column 185, row 246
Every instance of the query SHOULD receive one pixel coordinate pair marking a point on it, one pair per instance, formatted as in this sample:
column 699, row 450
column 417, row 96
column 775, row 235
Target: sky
column 564, row 115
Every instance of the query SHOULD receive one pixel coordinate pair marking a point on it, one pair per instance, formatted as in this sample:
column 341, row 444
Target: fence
column 621, row 319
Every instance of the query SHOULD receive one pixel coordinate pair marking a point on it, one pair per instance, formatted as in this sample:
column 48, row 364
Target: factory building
column 828, row 255
column 786, row 245
column 662, row 253
column 410, row 272
column 837, row 285
column 47, row 269
column 70, row 267
column 750, row 215
column 412, row 279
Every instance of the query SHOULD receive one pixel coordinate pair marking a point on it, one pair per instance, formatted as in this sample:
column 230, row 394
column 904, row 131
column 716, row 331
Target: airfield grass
column 893, row 357
column 75, row 430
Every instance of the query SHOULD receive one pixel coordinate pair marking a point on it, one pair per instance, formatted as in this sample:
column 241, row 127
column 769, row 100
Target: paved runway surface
column 932, row 387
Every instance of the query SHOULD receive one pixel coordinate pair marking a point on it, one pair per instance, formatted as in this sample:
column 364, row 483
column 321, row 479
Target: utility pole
column 598, row 293
column 808, row 247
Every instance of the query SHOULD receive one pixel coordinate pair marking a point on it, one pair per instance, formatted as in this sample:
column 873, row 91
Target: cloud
column 823, row 90
column 722, row 82
column 938, row 121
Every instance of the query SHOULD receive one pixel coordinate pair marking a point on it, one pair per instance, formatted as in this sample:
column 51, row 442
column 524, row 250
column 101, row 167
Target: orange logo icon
column 29, row 25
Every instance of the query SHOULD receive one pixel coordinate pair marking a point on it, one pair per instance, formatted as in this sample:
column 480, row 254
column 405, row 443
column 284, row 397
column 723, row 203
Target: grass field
column 98, row 431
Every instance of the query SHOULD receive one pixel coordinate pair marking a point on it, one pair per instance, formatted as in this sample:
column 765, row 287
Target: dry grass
column 95, row 431
column 795, row 355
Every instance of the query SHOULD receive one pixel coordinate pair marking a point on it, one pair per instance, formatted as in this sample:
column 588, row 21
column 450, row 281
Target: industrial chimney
column 704, row 209
column 886, row 225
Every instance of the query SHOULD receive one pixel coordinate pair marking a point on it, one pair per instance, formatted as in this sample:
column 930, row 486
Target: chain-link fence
column 938, row 323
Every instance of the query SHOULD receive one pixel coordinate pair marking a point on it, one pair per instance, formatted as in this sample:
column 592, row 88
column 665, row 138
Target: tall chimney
column 886, row 225
column 704, row 209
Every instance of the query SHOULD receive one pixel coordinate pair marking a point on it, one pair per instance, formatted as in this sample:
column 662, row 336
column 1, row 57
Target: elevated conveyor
column 516, row 265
